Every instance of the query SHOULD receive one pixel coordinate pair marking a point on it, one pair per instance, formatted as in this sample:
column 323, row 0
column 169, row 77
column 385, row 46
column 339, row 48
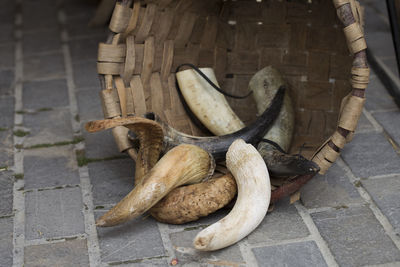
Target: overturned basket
column 303, row 39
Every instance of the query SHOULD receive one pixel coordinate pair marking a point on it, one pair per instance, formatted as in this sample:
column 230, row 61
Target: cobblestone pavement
column 56, row 179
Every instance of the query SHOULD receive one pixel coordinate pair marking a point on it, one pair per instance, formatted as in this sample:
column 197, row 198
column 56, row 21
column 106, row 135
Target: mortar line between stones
column 374, row 208
column 271, row 243
column 168, row 247
column 372, row 120
column 86, row 188
column 18, row 195
column 44, row 241
column 325, row 209
column 247, row 253
column 322, row 245
column 384, row 176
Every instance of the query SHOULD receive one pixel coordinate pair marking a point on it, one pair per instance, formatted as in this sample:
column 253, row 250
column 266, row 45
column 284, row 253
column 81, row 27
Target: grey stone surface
column 282, row 223
column 391, row 63
column 330, row 190
column 6, row 242
column 39, row 41
column 390, row 122
column 374, row 23
column 89, row 104
column 378, row 97
column 78, row 26
column 6, row 82
column 370, row 154
column 85, row 75
column 351, row 242
column 7, row 12
column 53, row 213
column 7, row 56
column 68, row 253
column 6, row 147
column 364, row 125
column 6, row 112
column 49, row 66
column 48, row 167
column 84, row 49
column 303, row 254
column 385, row 193
column 48, row 127
column 39, row 15
column 136, row 239
column 6, row 193
column 381, row 43
column 111, row 180
column 100, row 145
column 45, row 94
column 7, row 30
column 188, row 256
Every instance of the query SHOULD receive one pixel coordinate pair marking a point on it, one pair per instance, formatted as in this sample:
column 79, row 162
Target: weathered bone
column 254, row 193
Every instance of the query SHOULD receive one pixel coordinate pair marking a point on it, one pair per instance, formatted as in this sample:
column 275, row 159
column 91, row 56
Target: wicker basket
column 320, row 52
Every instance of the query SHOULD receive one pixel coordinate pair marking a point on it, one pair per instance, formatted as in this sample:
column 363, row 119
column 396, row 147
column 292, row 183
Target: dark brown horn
column 218, row 145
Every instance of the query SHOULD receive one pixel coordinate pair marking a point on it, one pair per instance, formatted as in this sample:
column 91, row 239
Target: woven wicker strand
column 237, row 38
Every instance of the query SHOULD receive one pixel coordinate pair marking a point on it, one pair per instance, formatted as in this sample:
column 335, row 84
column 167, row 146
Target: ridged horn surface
column 209, row 105
column 254, row 194
column 218, row 145
column 149, row 133
column 184, row 164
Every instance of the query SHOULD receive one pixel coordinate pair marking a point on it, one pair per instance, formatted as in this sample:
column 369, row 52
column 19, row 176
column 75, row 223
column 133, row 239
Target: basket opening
column 302, row 39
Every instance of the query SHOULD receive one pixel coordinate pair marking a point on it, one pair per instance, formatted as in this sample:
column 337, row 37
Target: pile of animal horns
column 175, row 177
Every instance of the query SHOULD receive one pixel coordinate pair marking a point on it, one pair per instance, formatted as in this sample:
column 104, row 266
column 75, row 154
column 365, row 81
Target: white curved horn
column 254, row 194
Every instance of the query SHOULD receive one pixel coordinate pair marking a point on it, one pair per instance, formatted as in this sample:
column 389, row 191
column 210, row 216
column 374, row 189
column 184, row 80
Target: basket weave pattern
column 320, row 52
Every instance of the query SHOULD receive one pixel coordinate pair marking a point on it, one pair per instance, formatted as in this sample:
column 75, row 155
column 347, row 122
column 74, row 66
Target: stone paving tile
column 381, row 43
column 391, row 63
column 302, row 254
column 7, row 56
column 68, row 253
column 39, row 15
column 89, row 104
column 111, row 180
column 85, row 75
column 282, row 223
column 377, row 96
column 6, row 241
column 188, row 256
column 7, row 33
column 48, row 127
column 77, row 8
column 136, row 239
column 45, row 94
column 6, row 147
column 78, row 26
column 385, row 193
column 371, row 149
column 355, row 237
column 330, row 190
column 49, row 66
column 374, row 23
column 7, row 12
column 48, row 167
column 53, row 213
column 6, row 82
column 364, row 125
column 108, row 147
column 43, row 40
column 84, row 49
column 390, row 121
column 6, row 193
column 6, row 112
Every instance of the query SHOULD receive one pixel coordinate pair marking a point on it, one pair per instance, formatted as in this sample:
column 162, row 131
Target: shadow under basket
column 317, row 45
